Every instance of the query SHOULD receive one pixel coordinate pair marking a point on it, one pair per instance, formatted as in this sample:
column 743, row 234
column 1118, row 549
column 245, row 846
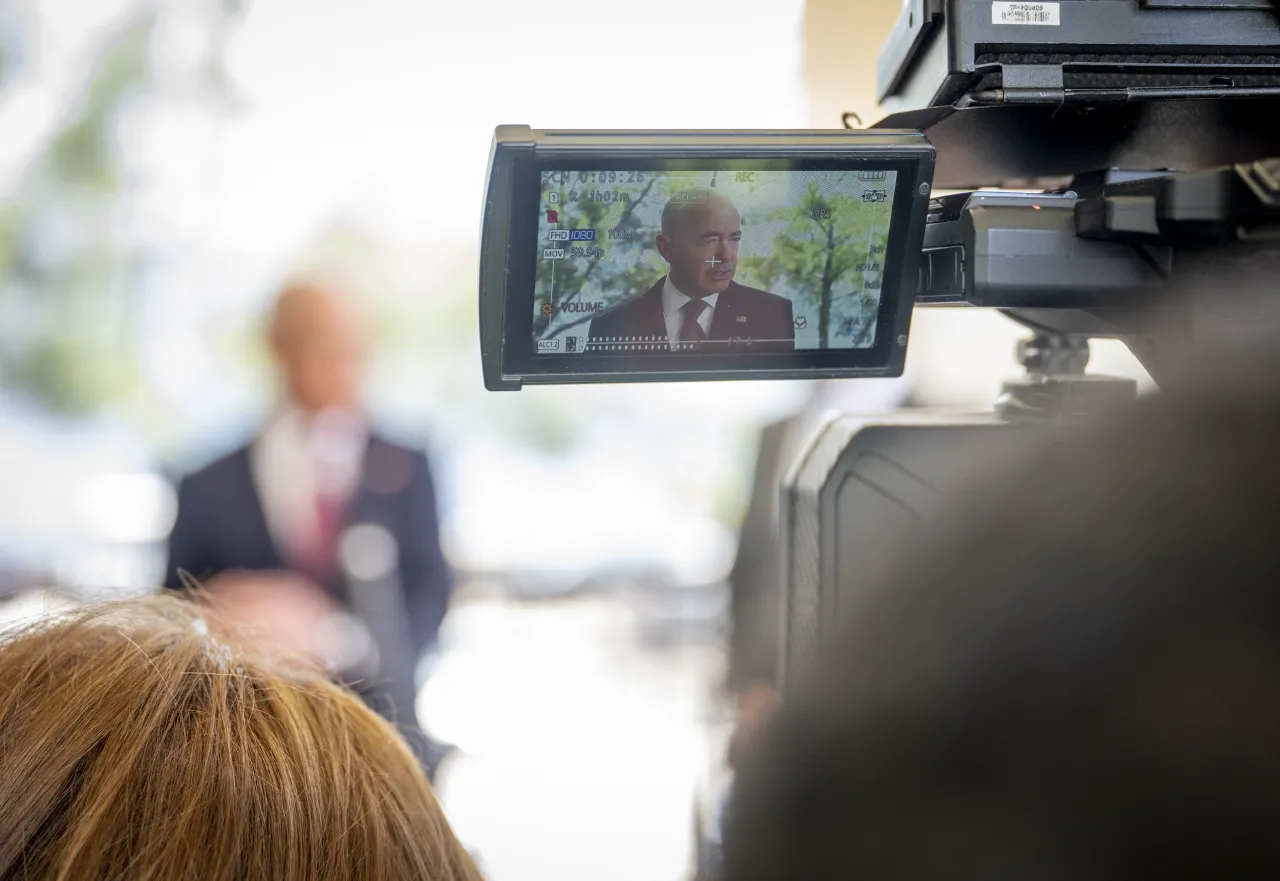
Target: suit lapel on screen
column 729, row 320
column 648, row 320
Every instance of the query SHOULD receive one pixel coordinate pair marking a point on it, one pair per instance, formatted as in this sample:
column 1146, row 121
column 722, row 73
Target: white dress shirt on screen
column 673, row 300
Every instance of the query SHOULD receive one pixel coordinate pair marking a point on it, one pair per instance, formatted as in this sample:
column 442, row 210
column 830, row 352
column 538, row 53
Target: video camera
column 1139, row 133
column 1091, row 168
column 1140, row 136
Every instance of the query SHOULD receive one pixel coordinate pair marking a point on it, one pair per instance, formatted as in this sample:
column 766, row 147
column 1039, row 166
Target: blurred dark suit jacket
column 221, row 526
column 741, row 313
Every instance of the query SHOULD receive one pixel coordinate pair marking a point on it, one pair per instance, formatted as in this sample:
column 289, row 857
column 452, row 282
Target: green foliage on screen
column 822, row 247
column 633, row 263
column 831, row 258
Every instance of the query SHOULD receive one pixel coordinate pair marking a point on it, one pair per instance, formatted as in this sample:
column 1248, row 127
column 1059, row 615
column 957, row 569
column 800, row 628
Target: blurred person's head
column 1077, row 676
column 318, row 341
column 701, row 230
column 138, row 742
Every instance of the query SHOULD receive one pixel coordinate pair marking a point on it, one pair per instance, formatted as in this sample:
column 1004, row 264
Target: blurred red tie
column 317, row 553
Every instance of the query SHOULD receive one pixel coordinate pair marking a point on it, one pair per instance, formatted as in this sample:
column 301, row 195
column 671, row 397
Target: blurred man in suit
column 271, row 530
column 698, row 305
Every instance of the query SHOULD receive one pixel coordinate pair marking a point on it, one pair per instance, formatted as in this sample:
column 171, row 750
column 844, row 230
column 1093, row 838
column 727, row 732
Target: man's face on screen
column 702, row 248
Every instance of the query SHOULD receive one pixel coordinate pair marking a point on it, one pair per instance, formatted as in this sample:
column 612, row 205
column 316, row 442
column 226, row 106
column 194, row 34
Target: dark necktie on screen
column 690, row 330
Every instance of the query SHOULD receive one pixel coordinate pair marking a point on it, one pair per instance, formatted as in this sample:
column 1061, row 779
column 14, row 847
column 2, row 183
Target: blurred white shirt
column 673, row 300
column 297, row 458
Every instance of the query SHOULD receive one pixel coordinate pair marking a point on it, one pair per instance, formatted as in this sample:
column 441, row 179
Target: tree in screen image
column 830, row 257
column 622, row 261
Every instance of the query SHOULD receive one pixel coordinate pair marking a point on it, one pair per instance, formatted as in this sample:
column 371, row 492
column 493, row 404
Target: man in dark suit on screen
column 698, row 306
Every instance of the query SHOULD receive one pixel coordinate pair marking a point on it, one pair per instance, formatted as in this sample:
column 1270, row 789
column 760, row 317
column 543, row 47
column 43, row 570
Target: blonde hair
column 138, row 741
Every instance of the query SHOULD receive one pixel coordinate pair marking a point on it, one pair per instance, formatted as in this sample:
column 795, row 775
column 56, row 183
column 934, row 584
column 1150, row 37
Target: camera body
column 858, row 496
column 1127, row 146
column 1130, row 142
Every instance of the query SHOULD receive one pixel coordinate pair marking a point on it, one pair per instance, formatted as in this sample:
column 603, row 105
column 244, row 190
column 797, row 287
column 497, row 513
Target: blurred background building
column 165, row 165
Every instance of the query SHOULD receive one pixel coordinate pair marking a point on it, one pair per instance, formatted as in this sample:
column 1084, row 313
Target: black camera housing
column 1056, row 88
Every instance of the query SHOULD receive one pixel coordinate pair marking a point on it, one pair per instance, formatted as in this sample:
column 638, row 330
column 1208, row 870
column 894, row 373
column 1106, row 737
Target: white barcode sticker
column 1025, row 13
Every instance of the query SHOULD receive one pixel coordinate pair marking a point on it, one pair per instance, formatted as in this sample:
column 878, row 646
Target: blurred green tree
column 68, row 343
column 71, row 277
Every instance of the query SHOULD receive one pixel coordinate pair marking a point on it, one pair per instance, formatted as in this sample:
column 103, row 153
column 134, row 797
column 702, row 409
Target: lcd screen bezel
column 510, row 247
